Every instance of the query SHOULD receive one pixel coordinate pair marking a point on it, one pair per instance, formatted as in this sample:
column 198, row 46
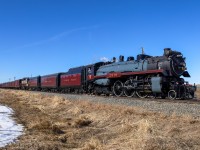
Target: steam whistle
column 142, row 50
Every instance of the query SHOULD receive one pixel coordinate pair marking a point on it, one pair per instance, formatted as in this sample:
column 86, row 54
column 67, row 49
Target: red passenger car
column 72, row 78
column 34, row 83
column 17, row 84
column 12, row 84
column 50, row 81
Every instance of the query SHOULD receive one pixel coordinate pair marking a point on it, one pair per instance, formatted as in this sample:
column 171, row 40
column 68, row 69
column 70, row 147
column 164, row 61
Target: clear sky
column 39, row 37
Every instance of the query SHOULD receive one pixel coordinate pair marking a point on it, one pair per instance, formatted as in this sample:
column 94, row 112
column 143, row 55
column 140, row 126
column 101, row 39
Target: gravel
column 166, row 107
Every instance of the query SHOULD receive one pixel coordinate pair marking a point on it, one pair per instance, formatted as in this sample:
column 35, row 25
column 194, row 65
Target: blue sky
column 39, row 37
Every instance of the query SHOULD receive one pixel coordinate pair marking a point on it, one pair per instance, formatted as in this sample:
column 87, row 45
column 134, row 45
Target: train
column 143, row 76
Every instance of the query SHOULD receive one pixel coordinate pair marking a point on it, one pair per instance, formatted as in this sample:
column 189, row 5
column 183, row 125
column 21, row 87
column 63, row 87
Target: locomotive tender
column 158, row 76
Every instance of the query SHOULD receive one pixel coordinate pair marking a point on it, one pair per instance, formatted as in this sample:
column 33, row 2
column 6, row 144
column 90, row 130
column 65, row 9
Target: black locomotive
column 147, row 75
column 155, row 76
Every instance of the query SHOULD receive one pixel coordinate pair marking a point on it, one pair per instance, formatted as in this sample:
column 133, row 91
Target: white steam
column 104, row 59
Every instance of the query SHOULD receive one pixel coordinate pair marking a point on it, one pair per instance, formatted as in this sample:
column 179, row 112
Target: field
column 52, row 122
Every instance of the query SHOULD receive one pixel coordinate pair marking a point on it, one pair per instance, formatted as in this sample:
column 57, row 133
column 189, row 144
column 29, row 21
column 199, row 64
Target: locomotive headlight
column 183, row 64
column 182, row 68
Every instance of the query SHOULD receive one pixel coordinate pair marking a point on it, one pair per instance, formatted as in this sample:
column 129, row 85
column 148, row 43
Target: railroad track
column 166, row 106
column 160, row 100
column 192, row 101
column 166, row 100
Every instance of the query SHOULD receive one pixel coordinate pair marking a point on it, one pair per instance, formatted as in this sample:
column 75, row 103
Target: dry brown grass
column 93, row 144
column 82, row 121
column 55, row 123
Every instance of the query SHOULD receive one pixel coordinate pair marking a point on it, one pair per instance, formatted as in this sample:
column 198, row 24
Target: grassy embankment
column 52, row 122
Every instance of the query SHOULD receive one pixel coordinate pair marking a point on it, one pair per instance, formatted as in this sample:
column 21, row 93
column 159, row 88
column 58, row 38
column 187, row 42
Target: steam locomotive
column 158, row 76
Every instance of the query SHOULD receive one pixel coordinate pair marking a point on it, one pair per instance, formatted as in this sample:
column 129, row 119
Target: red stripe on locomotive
column 120, row 74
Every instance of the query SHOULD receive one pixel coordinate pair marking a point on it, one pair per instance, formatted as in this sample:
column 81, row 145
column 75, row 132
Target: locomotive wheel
column 96, row 91
column 172, row 94
column 153, row 96
column 128, row 89
column 141, row 94
column 118, row 88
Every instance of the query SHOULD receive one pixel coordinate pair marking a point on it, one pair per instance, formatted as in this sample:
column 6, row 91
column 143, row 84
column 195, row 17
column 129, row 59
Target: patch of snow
column 9, row 130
